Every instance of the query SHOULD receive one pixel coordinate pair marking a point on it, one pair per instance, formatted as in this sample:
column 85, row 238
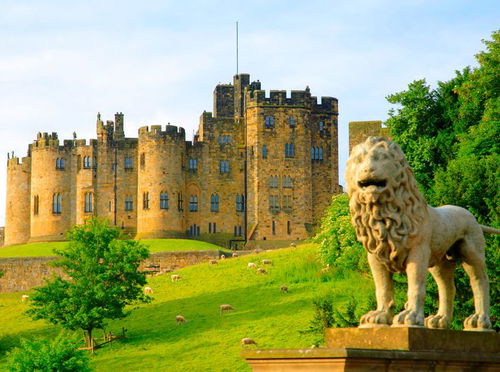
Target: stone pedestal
column 387, row 349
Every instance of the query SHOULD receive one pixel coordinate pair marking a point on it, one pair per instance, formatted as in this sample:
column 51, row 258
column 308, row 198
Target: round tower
column 50, row 189
column 160, row 181
column 17, row 216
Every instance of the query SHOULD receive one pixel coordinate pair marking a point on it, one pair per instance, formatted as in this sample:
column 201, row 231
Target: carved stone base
column 387, row 349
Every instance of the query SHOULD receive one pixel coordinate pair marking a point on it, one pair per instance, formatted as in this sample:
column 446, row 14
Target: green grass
column 154, row 245
column 208, row 342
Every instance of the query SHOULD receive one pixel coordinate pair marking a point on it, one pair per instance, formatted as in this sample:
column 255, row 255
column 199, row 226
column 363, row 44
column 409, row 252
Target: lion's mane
column 383, row 226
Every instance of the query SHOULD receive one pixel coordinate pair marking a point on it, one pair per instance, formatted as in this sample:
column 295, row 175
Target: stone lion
column 403, row 234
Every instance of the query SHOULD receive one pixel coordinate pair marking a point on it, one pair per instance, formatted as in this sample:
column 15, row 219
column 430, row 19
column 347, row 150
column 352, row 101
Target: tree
column 103, row 278
column 60, row 355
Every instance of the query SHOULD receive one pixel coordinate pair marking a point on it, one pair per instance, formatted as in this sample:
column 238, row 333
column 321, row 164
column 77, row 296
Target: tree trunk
column 90, row 342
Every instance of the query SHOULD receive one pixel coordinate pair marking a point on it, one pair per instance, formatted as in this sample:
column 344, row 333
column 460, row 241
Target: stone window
column 143, row 161
column 59, row 163
column 287, row 182
column 129, row 163
column 56, row 203
column 274, row 203
column 292, row 122
column 163, row 200
column 240, row 203
column 269, row 122
column 193, row 163
column 129, row 203
column 145, row 200
column 214, row 203
column 287, row 202
column 194, row 230
column 321, row 126
column 88, row 204
column 212, row 228
column 86, row 162
column 224, row 166
column 273, row 227
column 238, row 231
column 193, row 204
column 289, row 150
column 264, row 152
column 95, row 162
column 180, row 202
column 273, row 182
column 36, row 205
column 317, row 153
column 224, row 139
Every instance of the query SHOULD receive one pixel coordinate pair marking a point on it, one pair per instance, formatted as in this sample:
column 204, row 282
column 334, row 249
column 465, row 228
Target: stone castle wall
column 116, row 170
column 360, row 130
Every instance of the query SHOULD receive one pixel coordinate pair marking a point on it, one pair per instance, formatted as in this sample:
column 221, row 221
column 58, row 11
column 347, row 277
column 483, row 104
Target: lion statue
column 403, row 234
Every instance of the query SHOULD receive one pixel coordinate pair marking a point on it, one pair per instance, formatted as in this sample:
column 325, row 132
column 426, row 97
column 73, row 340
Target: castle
column 260, row 171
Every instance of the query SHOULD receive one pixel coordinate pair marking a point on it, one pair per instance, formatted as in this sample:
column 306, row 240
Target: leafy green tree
column 103, row 278
column 60, row 355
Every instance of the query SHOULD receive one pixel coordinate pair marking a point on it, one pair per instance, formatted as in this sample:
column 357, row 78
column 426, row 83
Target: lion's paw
column 438, row 321
column 376, row 317
column 477, row 321
column 409, row 318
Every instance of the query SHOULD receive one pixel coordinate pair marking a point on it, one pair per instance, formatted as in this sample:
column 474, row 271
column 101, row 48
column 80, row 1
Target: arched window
column 193, row 204
column 163, row 200
column 88, row 205
column 56, row 203
column 145, row 200
column 214, row 203
column 36, row 204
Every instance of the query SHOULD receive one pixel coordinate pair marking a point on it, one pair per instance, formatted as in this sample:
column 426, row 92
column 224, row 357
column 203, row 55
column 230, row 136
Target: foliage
column 59, row 355
column 104, row 278
column 337, row 237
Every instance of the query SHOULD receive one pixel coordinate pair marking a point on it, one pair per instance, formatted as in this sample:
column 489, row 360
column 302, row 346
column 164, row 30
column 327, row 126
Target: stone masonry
column 360, row 130
column 260, row 169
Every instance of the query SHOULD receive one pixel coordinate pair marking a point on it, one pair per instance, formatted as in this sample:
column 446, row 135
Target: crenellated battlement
column 46, row 140
column 155, row 131
column 295, row 98
column 16, row 162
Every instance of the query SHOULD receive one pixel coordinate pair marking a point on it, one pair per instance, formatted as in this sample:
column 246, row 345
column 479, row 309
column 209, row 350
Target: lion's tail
column 489, row 230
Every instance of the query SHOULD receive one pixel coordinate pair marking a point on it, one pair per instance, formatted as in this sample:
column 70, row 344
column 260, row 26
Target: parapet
column 155, row 131
column 46, row 140
column 296, row 98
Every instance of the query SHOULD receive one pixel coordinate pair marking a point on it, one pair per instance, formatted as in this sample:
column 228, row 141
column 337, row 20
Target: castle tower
column 17, row 216
column 160, row 181
column 50, row 189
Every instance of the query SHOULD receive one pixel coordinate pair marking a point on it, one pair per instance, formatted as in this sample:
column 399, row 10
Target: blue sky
column 158, row 61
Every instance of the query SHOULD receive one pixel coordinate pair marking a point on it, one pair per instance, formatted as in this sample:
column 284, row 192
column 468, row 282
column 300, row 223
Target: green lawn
column 208, row 342
column 154, row 245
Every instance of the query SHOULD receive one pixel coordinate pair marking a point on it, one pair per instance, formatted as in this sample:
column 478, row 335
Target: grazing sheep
column 261, row 270
column 212, row 262
column 225, row 307
column 24, row 297
column 175, row 277
column 248, row 341
column 179, row 319
column 148, row 290
column 251, row 265
column 284, row 289
column 222, row 257
column 292, row 245
column 235, row 254
column 266, row 262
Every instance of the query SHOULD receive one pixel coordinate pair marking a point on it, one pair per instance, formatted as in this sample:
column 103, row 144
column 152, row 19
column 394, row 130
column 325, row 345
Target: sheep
column 148, row 290
column 292, row 245
column 24, row 297
column 225, row 307
column 284, row 289
column 212, row 262
column 235, row 255
column 251, row 265
column 222, row 257
column 175, row 277
column 266, row 262
column 179, row 319
column 248, row 341
column 262, row 271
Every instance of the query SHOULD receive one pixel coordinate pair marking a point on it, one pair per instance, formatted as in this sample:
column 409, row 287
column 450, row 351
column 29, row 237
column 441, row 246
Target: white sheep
column 248, row 341
column 175, row 277
column 212, row 262
column 24, row 297
column 235, row 254
column 222, row 257
column 148, row 290
column 266, row 262
column 284, row 289
column 251, row 265
column 292, row 245
column 179, row 319
column 262, row 271
column 225, row 307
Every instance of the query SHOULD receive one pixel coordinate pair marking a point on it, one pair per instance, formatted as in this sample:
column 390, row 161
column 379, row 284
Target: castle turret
column 17, row 216
column 160, row 181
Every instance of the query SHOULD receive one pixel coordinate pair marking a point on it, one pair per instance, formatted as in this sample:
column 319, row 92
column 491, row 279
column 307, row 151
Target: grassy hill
column 154, row 245
column 208, row 342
